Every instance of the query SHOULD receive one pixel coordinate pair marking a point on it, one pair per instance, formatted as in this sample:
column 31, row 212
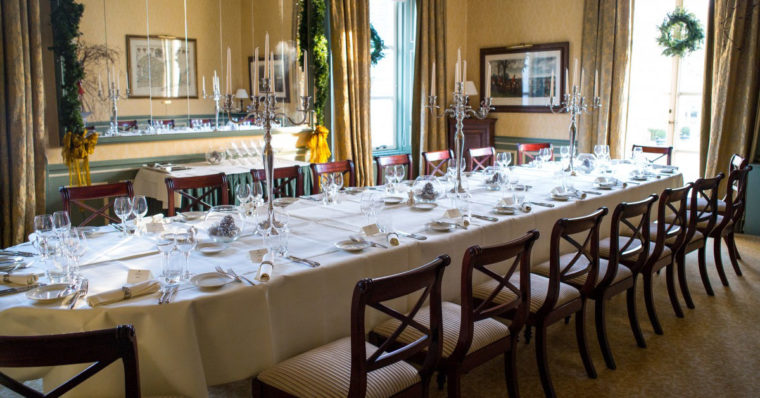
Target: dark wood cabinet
column 477, row 133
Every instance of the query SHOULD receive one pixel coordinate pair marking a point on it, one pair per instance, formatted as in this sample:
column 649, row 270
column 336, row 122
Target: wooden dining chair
column 99, row 347
column 662, row 152
column 166, row 122
column 621, row 257
column 471, row 336
column 207, row 185
column 352, row 366
column 127, row 125
column 199, row 122
column 391, row 160
column 480, row 158
column 528, row 152
column 343, row 166
column 284, row 179
column 435, row 163
column 81, row 197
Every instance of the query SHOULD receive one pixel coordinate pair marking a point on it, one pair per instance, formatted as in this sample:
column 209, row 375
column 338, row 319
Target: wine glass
column 390, row 178
column 243, row 192
column 399, row 172
column 43, row 229
column 325, row 182
column 257, row 193
column 74, row 244
column 503, row 159
column 186, row 242
column 122, row 206
column 337, row 181
column 545, row 154
column 368, row 205
column 61, row 222
column 599, row 151
column 140, row 209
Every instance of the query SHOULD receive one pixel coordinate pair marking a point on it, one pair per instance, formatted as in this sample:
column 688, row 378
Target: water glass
column 277, row 241
column 172, row 270
column 545, row 154
column 244, row 194
column 73, row 244
column 61, row 222
column 140, row 210
column 462, row 203
column 503, row 159
column 368, row 204
column 491, row 178
column 165, row 244
column 57, row 270
column 185, row 242
column 43, row 231
column 257, row 193
column 122, row 207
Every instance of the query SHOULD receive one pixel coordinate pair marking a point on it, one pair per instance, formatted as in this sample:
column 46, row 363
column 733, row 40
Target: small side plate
column 284, row 202
column 211, row 248
column 424, row 206
column 560, row 198
column 504, row 210
column 211, row 280
column 441, row 226
column 392, row 200
column 50, row 293
column 192, row 215
column 352, row 246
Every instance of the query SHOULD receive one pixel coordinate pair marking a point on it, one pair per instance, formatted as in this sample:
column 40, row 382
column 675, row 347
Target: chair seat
column 632, row 250
column 622, row 272
column 486, row 331
column 539, row 287
column 326, row 372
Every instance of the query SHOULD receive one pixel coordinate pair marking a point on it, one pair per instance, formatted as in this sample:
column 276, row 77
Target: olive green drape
column 606, row 47
column 22, row 131
column 730, row 107
column 349, row 20
column 429, row 132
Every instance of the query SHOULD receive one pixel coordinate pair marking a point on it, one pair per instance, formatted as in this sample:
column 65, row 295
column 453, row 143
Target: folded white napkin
column 509, row 201
column 393, row 239
column 20, row 279
column 560, row 191
column 124, row 293
column 609, row 181
column 265, row 270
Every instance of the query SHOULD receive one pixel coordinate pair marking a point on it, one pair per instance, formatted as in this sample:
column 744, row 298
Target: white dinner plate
column 92, row 231
column 352, row 246
column 605, row 186
column 560, row 198
column 638, row 178
column 283, row 202
column 210, row 248
column 392, row 200
column 424, row 206
column 441, row 226
column 504, row 210
column 192, row 215
column 50, row 293
column 211, row 280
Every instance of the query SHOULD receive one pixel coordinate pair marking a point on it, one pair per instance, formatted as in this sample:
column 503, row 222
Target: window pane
column 382, row 76
column 383, row 122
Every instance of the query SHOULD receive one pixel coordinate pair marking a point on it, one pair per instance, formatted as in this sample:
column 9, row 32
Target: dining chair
column 528, row 152
column 391, row 160
column 196, row 123
column 471, row 336
column 663, row 152
column 127, row 125
column 480, row 158
column 354, row 367
column 284, row 179
column 206, row 185
column 435, row 163
column 621, row 257
column 80, row 196
column 166, row 122
column 342, row 166
column 99, row 347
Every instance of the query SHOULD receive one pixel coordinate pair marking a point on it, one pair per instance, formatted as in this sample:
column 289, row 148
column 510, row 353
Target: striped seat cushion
column 326, row 372
column 486, row 331
column 632, row 250
column 539, row 287
column 622, row 271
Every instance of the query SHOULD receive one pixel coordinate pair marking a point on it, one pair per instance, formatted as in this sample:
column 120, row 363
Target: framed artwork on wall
column 162, row 67
column 521, row 76
column 281, row 77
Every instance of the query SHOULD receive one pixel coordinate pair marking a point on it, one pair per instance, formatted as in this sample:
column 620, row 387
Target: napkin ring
column 127, row 292
column 7, row 278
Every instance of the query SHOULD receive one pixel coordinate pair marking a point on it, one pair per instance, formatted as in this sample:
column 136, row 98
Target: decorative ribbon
column 76, row 149
column 320, row 151
column 127, row 292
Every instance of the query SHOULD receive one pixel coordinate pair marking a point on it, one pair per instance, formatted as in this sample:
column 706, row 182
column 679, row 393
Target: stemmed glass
column 74, row 244
column 503, row 159
column 337, row 185
column 257, row 193
column 165, row 244
column 185, row 242
column 244, row 195
column 368, row 204
column 140, row 209
column 61, row 222
column 122, row 206
column 278, row 234
column 43, row 229
column 545, row 154
column 400, row 173
column 390, row 178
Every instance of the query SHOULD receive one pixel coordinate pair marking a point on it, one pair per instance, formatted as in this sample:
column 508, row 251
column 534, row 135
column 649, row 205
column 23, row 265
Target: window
column 665, row 100
column 392, row 77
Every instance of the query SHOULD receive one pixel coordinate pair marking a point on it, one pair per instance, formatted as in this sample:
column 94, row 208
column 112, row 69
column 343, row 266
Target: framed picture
column 162, row 67
column 520, row 78
column 281, row 77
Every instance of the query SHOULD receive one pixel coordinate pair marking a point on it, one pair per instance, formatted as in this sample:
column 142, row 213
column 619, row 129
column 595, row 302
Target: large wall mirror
column 166, row 52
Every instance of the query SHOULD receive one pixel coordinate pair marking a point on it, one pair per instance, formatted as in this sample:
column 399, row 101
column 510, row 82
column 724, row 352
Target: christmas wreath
column 377, row 45
column 680, row 33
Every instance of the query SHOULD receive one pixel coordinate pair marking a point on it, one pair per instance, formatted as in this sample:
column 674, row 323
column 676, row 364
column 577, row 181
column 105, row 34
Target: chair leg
column 719, row 261
column 703, row 270
column 601, row 332
column 528, row 331
column 736, row 250
column 649, row 301
column 731, row 244
column 580, row 336
column 633, row 319
column 670, row 279
column 453, row 388
column 510, row 370
column 681, row 263
column 543, row 363
column 440, row 379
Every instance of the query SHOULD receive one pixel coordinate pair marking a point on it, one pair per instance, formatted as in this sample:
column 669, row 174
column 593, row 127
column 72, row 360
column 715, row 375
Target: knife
column 16, row 253
column 13, row 290
column 310, row 198
column 486, row 218
column 411, row 236
column 592, row 192
column 544, row 204
column 310, row 263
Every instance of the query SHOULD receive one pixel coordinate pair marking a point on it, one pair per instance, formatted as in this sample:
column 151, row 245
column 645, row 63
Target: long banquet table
column 214, row 337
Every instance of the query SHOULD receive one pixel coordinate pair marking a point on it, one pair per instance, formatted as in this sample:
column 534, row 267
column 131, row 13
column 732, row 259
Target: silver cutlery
column 13, row 290
column 633, row 182
column 592, row 192
column 234, row 275
column 172, row 294
column 81, row 292
column 16, row 253
column 359, row 239
column 162, row 297
column 310, row 198
column 411, row 236
column 486, row 218
column 308, row 262
column 542, row 204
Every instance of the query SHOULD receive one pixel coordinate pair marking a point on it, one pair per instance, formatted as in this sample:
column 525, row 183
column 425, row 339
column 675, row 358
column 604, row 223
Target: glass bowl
column 225, row 223
column 427, row 189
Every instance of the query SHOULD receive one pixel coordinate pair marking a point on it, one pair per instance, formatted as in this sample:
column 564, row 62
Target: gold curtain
column 22, row 129
column 730, row 107
column 428, row 132
column 350, row 44
column 606, row 47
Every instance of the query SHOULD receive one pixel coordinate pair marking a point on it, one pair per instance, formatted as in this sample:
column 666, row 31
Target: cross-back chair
column 127, row 125
column 284, row 178
column 480, row 158
column 208, row 185
column 663, row 153
column 434, row 163
column 99, row 347
column 391, row 160
column 79, row 196
column 199, row 122
column 342, row 166
column 166, row 122
column 528, row 152
column 352, row 366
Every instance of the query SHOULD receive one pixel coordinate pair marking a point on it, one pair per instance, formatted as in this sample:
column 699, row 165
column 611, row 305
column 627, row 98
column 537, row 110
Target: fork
column 171, row 295
column 232, row 273
column 84, row 285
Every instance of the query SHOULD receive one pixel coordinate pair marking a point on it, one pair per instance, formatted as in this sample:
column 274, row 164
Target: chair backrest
column 528, row 152
column 166, row 122
column 199, row 122
column 207, row 184
column 478, row 258
column 99, row 347
column 736, row 195
column 707, row 190
column 342, row 166
column 480, row 158
column 372, row 293
column 737, row 162
column 435, row 163
column 392, row 160
column 284, row 178
column 585, row 259
column 79, row 195
column 126, row 125
column 673, row 201
column 663, row 152
column 629, row 233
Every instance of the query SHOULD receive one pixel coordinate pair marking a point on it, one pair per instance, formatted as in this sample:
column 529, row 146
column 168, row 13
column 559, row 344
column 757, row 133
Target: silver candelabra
column 574, row 104
column 114, row 96
column 459, row 110
column 217, row 97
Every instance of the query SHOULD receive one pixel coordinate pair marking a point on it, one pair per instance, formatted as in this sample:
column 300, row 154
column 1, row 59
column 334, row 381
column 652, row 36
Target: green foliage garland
column 319, row 52
column 680, row 33
column 376, row 44
column 64, row 17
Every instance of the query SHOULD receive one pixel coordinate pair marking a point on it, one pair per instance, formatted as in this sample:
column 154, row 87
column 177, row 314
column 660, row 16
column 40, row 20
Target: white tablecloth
column 213, row 337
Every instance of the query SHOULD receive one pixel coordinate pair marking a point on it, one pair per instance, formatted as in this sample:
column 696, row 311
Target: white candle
column 488, row 80
column 229, row 71
column 204, row 85
column 113, row 75
column 118, row 81
column 215, row 83
column 567, row 82
column 432, row 80
column 271, row 69
column 126, row 80
column 596, row 83
column 464, row 71
column 551, row 86
column 266, row 56
column 305, row 71
column 256, row 72
column 458, row 71
column 100, row 84
column 575, row 72
column 582, row 79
